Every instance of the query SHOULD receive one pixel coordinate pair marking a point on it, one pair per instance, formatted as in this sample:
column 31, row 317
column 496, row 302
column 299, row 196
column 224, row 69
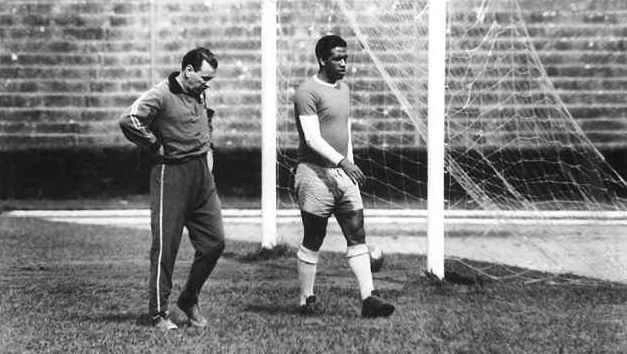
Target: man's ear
column 188, row 69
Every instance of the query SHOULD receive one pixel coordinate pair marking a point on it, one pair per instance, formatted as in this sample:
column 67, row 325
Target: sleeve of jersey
column 135, row 121
column 310, row 124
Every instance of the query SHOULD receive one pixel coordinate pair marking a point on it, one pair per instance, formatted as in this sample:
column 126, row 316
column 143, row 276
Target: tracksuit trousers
column 183, row 195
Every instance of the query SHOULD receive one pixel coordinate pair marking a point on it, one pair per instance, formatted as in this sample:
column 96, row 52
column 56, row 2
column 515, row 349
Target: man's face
column 335, row 65
column 198, row 81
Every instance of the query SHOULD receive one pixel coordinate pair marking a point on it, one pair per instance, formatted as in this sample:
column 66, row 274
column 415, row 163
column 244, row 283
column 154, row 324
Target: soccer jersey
column 330, row 102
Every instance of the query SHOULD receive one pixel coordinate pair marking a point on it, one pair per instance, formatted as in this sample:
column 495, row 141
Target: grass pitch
column 77, row 288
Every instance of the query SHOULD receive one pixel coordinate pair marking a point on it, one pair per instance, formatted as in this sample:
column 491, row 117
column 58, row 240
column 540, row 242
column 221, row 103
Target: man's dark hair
column 326, row 44
column 195, row 57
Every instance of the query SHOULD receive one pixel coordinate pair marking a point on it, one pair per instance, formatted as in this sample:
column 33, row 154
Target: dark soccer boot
column 311, row 307
column 193, row 314
column 374, row 306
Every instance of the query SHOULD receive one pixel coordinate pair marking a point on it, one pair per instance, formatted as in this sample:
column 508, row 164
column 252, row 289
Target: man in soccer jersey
column 327, row 180
column 173, row 122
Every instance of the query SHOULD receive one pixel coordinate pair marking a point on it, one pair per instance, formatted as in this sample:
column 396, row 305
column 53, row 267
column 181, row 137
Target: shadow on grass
column 264, row 254
column 272, row 309
column 139, row 319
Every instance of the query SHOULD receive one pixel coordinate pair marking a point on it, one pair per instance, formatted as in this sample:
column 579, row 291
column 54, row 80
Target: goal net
column 524, row 185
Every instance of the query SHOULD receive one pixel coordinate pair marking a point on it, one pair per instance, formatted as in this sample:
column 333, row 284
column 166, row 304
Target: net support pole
column 435, row 144
column 153, row 40
column 269, row 120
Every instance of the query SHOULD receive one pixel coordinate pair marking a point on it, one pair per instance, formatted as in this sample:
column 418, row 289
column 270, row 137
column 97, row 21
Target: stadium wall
column 68, row 68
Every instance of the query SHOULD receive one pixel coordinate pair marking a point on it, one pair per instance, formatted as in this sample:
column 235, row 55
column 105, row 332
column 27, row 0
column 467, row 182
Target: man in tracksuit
column 172, row 121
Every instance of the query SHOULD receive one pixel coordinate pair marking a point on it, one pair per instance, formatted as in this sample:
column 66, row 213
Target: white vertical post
column 153, row 40
column 435, row 144
column 268, row 124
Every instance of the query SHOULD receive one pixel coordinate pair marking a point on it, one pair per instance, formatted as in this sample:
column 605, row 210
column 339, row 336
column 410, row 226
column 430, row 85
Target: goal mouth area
column 586, row 243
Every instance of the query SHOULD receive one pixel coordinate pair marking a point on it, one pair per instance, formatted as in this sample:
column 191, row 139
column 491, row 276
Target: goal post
column 435, row 139
column 436, row 126
column 269, row 123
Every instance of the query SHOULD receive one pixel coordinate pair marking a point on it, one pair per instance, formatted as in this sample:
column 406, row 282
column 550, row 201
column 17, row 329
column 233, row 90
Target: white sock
column 359, row 261
column 307, row 261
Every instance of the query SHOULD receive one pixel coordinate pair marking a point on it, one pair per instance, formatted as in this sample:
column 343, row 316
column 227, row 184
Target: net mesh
column 511, row 144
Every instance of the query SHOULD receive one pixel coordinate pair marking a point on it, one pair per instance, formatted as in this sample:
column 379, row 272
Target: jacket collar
column 176, row 88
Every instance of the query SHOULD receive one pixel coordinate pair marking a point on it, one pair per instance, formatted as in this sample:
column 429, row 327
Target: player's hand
column 353, row 172
column 156, row 149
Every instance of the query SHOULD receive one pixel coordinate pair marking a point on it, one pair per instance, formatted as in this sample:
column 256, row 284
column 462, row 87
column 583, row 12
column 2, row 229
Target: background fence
column 69, row 67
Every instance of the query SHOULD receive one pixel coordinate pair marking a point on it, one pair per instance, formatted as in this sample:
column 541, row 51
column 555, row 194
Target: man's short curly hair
column 326, row 44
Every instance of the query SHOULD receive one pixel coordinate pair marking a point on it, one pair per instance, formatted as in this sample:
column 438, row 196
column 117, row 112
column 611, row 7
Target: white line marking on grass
column 370, row 220
column 378, row 216
column 552, row 214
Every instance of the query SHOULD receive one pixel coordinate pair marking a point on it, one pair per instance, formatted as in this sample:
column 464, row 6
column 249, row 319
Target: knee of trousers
column 219, row 247
column 214, row 249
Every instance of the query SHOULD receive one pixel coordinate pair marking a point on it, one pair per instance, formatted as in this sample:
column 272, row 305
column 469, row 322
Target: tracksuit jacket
column 167, row 116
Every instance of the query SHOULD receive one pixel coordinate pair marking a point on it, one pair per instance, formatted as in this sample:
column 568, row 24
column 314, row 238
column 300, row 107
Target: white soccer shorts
column 323, row 191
